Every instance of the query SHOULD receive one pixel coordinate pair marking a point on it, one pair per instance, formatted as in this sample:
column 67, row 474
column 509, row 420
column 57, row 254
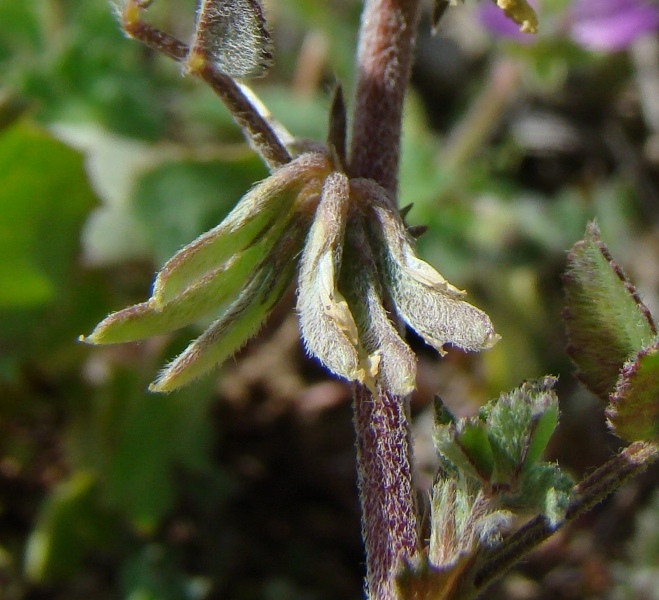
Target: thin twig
column 253, row 124
column 255, row 127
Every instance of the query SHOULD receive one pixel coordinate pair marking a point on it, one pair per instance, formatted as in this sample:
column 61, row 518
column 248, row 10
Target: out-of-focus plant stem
column 389, row 515
column 484, row 114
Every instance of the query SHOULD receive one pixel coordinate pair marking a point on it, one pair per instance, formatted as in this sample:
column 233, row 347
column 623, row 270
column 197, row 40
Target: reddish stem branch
column 384, row 61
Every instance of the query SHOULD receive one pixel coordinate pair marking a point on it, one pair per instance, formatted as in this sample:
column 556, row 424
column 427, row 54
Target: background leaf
column 177, row 200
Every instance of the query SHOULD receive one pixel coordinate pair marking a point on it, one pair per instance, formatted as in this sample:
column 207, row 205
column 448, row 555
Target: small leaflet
column 232, row 35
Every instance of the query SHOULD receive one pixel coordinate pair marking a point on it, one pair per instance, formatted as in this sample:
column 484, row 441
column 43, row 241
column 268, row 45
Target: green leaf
column 68, row 524
column 473, row 439
column 144, row 448
column 21, row 30
column 542, row 428
column 605, row 319
column 513, row 421
column 466, row 446
column 545, row 489
column 177, row 200
column 633, row 413
column 500, row 449
column 152, row 574
column 44, row 197
column 24, row 285
column 141, row 446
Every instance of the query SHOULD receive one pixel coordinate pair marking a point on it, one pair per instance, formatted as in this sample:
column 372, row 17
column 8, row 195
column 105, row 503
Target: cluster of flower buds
column 358, row 275
column 358, row 272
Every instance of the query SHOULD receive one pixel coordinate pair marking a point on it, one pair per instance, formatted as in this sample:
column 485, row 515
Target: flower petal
column 389, row 359
column 328, row 328
column 423, row 298
column 610, row 25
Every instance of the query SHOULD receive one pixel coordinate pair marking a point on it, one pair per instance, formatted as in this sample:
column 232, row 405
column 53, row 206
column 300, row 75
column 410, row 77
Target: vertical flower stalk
column 384, row 61
column 389, row 515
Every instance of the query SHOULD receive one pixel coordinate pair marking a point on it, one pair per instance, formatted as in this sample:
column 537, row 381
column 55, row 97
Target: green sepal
column 338, row 125
column 223, row 338
column 327, row 326
column 422, row 297
column 633, row 412
column 244, row 317
column 199, row 300
column 441, row 414
column 605, row 319
column 267, row 204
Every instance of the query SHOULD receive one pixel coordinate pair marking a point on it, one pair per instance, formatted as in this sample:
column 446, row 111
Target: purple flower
column 494, row 20
column 597, row 25
column 610, row 25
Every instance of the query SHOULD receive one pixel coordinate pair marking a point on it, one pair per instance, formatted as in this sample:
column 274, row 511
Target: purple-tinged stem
column 384, row 61
column 384, row 457
column 389, row 515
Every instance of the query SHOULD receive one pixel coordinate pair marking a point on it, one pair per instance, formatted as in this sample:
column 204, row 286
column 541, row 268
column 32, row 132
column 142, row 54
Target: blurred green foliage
column 110, row 161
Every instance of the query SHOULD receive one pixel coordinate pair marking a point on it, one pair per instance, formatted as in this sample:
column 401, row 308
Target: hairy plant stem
column 389, row 519
column 384, row 61
column 389, row 514
column 628, row 463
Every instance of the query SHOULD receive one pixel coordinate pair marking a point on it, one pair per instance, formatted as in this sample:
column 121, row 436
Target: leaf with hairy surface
column 633, row 413
column 605, row 319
